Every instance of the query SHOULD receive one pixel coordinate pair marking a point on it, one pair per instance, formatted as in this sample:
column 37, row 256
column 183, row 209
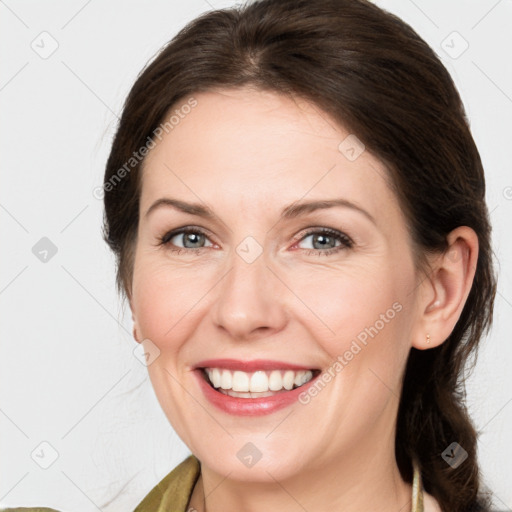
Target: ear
column 135, row 325
column 443, row 292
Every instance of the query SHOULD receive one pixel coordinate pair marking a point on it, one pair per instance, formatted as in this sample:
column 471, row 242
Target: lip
column 249, row 406
column 249, row 366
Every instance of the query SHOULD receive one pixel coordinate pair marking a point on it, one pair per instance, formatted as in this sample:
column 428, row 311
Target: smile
column 256, row 384
column 250, row 388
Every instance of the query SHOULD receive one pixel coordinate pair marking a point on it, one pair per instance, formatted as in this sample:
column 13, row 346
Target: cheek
column 347, row 301
column 360, row 317
column 164, row 301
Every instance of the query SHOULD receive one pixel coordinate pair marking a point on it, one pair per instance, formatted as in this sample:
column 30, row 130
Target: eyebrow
column 289, row 212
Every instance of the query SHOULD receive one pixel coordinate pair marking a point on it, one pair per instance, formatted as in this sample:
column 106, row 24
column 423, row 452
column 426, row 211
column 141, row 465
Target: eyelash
column 346, row 241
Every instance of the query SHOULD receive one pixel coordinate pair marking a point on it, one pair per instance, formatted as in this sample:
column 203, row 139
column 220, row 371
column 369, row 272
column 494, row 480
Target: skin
column 247, row 154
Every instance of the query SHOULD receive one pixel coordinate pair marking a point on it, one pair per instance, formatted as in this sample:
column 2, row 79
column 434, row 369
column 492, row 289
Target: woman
column 308, row 345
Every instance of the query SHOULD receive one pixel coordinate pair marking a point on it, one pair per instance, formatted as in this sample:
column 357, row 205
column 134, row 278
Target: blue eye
column 192, row 235
column 324, row 237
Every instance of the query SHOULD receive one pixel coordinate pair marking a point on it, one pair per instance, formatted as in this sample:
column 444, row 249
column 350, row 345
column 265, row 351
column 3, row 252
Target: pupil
column 322, row 237
column 196, row 235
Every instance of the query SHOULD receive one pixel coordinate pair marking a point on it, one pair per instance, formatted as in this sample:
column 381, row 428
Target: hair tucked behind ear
column 373, row 74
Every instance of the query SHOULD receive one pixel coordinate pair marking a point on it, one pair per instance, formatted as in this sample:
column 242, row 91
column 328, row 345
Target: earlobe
column 445, row 290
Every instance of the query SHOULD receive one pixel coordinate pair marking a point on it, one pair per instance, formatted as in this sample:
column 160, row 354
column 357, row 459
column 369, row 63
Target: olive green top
column 173, row 492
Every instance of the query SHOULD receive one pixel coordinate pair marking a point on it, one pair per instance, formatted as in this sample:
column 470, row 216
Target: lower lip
column 250, row 406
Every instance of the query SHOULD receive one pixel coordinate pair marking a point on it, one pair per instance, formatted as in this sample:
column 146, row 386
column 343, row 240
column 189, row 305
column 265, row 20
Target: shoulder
column 174, row 490
column 171, row 493
column 28, row 509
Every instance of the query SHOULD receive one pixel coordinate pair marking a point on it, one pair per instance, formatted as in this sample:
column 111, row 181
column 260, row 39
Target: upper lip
column 250, row 366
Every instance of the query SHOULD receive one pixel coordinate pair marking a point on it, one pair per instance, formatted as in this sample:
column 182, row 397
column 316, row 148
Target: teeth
column 262, row 382
column 275, row 381
column 240, row 381
column 259, row 382
column 288, row 379
column 302, row 378
column 215, row 377
column 226, row 381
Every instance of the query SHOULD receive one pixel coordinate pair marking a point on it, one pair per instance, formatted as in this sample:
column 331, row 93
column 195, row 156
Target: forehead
column 246, row 149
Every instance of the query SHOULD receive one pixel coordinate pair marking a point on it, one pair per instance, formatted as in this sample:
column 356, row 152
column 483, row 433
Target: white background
column 68, row 374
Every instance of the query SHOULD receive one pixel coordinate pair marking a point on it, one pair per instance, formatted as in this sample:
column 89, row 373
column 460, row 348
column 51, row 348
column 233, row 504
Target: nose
column 250, row 301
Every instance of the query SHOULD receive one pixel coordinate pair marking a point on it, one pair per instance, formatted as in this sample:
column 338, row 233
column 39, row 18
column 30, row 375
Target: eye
column 324, row 241
column 192, row 239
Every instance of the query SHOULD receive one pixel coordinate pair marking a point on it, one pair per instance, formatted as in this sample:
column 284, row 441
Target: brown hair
column 373, row 74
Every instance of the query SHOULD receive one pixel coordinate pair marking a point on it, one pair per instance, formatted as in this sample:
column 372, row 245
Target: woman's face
column 264, row 290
